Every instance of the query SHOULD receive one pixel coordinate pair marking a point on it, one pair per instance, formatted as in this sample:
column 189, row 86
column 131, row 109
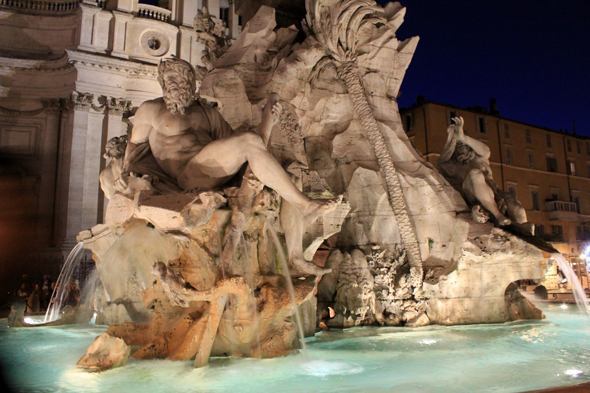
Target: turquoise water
column 511, row 357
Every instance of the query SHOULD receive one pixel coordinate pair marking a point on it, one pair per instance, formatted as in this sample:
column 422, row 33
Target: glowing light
column 427, row 342
column 322, row 368
column 564, row 306
column 29, row 321
column 574, row 373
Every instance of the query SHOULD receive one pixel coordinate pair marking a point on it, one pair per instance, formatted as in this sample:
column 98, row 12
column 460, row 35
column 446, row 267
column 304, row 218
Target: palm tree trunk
column 348, row 72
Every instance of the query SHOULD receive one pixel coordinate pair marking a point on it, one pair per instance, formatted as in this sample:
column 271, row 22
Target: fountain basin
column 508, row 357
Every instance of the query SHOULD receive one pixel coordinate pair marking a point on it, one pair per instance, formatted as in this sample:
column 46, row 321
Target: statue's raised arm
column 464, row 162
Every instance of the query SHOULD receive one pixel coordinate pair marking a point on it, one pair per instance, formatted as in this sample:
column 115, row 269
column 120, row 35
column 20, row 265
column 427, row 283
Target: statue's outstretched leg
column 293, row 225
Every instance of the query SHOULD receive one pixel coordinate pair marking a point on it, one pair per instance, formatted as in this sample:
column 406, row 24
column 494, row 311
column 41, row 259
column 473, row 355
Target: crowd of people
column 38, row 296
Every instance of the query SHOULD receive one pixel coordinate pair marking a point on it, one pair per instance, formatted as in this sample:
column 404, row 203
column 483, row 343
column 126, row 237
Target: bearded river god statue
column 190, row 252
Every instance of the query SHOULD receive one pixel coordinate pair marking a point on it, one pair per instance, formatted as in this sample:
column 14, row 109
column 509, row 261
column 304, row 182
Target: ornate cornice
column 82, row 101
column 129, row 70
column 79, row 101
column 17, row 113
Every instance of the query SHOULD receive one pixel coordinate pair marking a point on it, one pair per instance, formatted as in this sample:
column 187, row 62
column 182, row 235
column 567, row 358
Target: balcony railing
column 42, row 5
column 153, row 12
column 562, row 210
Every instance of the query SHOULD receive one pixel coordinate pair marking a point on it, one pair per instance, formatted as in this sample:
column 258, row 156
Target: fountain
column 191, row 252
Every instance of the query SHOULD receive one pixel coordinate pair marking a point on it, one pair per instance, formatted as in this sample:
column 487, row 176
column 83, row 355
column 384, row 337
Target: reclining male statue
column 196, row 149
column 464, row 162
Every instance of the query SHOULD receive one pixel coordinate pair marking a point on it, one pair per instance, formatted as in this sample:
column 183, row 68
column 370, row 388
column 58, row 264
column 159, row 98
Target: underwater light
column 574, row 373
column 564, row 306
column 427, row 342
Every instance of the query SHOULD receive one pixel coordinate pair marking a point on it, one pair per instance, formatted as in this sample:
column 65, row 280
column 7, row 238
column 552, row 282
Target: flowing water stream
column 572, row 279
column 58, row 297
column 287, row 274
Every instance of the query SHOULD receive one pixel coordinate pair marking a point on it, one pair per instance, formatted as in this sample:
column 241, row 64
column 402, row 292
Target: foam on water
column 510, row 357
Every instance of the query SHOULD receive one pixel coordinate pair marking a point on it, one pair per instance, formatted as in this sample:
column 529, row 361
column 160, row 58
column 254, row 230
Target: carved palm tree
column 347, row 28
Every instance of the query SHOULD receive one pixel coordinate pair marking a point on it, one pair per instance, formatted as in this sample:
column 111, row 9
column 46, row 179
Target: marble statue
column 114, row 151
column 212, row 35
column 465, row 163
column 196, row 148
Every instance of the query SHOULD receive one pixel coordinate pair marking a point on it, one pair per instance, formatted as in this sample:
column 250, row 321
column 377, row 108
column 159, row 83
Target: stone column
column 49, row 152
column 79, row 188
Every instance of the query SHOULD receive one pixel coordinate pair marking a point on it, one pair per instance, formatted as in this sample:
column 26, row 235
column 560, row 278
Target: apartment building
column 548, row 170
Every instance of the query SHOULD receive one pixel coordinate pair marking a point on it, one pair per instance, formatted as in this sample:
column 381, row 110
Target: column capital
column 81, row 101
column 118, row 106
column 52, row 105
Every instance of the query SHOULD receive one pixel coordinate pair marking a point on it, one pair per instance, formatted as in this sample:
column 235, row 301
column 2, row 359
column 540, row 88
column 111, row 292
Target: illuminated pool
column 511, row 357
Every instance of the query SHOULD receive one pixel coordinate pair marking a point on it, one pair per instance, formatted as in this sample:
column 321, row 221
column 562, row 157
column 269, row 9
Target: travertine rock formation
column 105, row 353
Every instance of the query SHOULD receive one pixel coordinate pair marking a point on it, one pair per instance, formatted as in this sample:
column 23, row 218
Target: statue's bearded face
column 178, row 91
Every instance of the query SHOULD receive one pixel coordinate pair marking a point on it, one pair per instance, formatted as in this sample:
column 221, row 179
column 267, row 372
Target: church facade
column 71, row 75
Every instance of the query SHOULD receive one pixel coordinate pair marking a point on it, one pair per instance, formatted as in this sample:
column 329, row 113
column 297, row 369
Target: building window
column 508, row 156
column 583, row 231
column 568, row 144
column 548, row 140
column 408, row 123
column 481, row 125
column 450, row 116
column 512, row 191
column 153, row 43
column 572, row 168
column 578, row 202
column 588, row 148
column 539, row 230
column 588, row 165
column 557, row 233
column 551, row 164
column 528, row 135
column 224, row 8
column 506, row 130
column 578, row 147
column 536, row 200
column 531, row 160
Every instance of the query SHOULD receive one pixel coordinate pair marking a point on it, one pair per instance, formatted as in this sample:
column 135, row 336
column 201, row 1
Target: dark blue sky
column 533, row 56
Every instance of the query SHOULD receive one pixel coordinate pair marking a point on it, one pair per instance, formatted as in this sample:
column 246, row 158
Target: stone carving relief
column 212, row 35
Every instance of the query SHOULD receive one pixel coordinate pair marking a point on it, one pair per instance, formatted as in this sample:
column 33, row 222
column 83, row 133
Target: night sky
column 532, row 56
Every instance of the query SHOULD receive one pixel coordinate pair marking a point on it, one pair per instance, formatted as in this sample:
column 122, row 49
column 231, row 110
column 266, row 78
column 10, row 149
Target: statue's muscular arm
column 480, row 148
column 142, row 126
